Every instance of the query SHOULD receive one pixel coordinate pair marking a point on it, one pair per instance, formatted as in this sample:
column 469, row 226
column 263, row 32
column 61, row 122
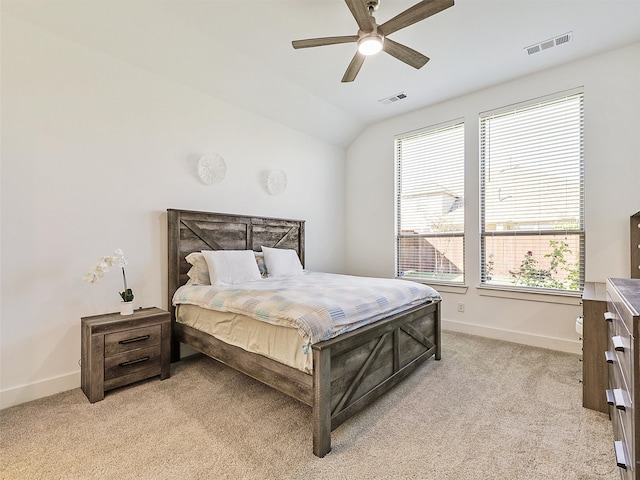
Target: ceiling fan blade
column 404, row 53
column 353, row 68
column 319, row 42
column 361, row 13
column 414, row 14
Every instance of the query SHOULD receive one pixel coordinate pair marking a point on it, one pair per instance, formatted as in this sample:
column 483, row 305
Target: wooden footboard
column 354, row 369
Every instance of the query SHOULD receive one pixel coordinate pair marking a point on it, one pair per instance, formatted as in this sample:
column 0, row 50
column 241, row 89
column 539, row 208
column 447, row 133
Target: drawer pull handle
column 618, row 343
column 621, row 459
column 609, row 356
column 608, row 316
column 134, row 339
column 610, row 397
column 133, row 362
column 618, row 396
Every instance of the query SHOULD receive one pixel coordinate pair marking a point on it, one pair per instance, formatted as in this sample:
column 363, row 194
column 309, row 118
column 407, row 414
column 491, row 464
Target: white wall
column 95, row 150
column 612, row 185
column 93, row 153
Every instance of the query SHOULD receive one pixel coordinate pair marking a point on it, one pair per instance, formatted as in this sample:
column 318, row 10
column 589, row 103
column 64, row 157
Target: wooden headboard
column 190, row 231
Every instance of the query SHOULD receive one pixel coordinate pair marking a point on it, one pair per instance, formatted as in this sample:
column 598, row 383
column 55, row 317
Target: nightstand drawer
column 133, row 361
column 127, row 340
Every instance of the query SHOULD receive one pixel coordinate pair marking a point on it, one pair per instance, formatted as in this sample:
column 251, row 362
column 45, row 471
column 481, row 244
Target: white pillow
column 281, row 262
column 230, row 267
column 199, row 272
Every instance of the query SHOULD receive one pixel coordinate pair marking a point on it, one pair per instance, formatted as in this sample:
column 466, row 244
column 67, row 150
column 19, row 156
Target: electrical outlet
column 461, row 306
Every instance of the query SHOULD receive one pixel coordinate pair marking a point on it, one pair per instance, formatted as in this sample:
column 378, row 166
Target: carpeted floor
column 487, row 410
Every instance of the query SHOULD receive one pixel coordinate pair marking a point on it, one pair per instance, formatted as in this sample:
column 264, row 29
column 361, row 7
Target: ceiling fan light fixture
column 370, row 44
column 373, row 38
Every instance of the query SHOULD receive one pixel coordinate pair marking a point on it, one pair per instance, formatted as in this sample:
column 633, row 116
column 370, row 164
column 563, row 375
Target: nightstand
column 121, row 349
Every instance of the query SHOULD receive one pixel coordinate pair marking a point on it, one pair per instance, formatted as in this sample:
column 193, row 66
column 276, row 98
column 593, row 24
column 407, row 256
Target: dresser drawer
column 623, row 440
column 616, row 380
column 128, row 340
column 624, row 409
column 626, row 467
column 621, row 344
column 620, row 308
column 133, row 361
column 624, row 358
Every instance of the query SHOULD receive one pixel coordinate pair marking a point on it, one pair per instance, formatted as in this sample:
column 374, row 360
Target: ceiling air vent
column 547, row 44
column 563, row 38
column 393, row 98
column 533, row 49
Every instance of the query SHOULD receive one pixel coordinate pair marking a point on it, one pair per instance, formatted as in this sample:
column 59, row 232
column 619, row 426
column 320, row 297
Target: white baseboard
column 560, row 344
column 33, row 391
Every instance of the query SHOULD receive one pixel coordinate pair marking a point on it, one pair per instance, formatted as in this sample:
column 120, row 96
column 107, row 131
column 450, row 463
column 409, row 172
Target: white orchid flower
column 90, row 277
column 103, row 266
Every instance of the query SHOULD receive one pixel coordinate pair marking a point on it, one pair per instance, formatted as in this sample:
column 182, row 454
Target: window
column 532, row 195
column 429, row 202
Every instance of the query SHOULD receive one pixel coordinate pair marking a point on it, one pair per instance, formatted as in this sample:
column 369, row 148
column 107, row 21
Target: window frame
column 444, row 126
column 579, row 231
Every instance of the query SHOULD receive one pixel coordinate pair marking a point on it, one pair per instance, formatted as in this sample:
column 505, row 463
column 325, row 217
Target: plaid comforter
column 320, row 305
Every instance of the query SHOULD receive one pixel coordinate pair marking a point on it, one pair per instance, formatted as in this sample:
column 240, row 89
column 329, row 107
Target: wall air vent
column 393, row 98
column 547, row 44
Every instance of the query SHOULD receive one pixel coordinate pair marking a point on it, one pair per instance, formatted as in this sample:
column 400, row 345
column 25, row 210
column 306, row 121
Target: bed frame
column 349, row 371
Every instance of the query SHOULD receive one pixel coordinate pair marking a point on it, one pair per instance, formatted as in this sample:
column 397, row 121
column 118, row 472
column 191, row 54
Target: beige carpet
column 487, row 410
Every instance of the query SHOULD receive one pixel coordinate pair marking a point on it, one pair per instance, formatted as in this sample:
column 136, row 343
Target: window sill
column 564, row 298
column 441, row 286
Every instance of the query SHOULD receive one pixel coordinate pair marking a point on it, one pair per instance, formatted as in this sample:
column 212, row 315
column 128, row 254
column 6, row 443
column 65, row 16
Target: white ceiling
column 240, row 50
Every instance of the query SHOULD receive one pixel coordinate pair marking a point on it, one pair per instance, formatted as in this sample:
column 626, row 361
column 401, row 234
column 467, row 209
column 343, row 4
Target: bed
column 348, row 371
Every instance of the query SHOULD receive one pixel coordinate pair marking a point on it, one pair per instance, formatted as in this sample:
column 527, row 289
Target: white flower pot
column 126, row 308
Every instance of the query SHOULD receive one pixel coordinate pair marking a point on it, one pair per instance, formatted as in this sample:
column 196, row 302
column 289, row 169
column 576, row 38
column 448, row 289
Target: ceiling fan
column 372, row 38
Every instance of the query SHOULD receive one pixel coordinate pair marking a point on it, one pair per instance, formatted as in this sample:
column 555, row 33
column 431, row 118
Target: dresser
column 595, row 374
column 118, row 350
column 622, row 318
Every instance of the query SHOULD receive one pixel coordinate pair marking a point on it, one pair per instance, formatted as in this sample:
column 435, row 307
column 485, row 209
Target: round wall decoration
column 212, row 168
column 276, row 182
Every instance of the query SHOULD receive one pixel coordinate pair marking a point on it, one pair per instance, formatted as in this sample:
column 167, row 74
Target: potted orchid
column 103, row 265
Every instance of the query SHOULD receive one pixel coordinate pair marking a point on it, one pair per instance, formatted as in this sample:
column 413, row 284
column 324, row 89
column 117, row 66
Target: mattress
column 280, row 343
column 320, row 305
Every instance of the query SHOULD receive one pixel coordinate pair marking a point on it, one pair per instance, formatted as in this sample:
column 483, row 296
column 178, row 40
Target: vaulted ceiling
column 240, row 50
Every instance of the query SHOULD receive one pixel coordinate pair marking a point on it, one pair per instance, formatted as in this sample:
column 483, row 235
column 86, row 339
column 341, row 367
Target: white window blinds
column 430, row 204
column 532, row 195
